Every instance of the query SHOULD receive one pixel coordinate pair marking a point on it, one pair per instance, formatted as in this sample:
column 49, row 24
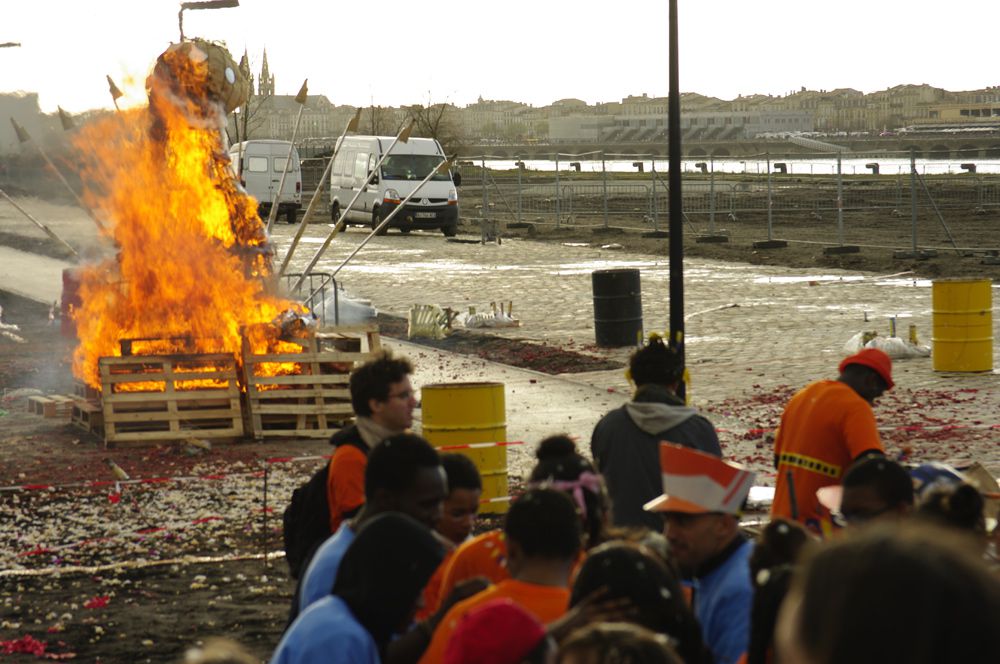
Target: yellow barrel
column 962, row 324
column 466, row 413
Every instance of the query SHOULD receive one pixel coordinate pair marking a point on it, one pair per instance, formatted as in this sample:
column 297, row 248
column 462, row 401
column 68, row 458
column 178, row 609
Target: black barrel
column 617, row 308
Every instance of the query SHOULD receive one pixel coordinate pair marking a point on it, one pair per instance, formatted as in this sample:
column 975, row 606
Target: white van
column 434, row 206
column 259, row 171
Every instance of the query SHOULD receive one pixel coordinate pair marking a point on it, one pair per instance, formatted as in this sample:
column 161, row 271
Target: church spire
column 265, row 87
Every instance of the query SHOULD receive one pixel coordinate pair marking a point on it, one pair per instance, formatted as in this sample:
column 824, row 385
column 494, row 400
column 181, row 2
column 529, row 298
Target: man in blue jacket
column 702, row 499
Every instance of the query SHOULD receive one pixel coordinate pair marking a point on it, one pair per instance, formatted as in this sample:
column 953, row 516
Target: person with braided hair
column 559, row 467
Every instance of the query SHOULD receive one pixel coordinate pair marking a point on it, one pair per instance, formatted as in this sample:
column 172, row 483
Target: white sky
column 394, row 52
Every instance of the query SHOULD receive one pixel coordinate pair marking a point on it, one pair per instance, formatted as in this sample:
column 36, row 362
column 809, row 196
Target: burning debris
column 193, row 260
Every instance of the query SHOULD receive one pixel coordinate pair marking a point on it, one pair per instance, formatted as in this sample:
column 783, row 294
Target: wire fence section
column 900, row 210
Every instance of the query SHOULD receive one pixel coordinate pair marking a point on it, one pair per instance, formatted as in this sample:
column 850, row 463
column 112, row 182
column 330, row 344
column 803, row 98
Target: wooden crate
column 316, row 402
column 88, row 415
column 163, row 398
column 53, row 405
column 83, row 391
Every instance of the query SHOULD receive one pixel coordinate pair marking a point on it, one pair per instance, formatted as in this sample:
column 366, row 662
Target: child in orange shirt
column 544, row 538
column 559, row 467
column 465, row 488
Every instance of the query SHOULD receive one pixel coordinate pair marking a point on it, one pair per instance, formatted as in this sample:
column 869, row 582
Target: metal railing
column 312, row 293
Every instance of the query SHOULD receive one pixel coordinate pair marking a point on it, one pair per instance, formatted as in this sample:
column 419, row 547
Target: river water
column 756, row 166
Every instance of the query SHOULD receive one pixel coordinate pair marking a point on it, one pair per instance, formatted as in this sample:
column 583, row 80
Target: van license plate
column 425, row 215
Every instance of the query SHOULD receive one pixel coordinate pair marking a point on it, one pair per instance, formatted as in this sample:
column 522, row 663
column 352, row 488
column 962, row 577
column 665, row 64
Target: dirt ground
column 110, row 573
column 106, row 572
column 878, row 235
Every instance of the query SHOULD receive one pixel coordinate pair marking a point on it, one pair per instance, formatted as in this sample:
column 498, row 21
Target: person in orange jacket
column 826, row 426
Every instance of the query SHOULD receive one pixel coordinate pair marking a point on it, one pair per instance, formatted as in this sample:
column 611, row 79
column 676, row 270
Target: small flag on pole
column 65, row 119
column 355, row 121
column 22, row 134
column 404, row 135
column 116, row 94
column 303, row 92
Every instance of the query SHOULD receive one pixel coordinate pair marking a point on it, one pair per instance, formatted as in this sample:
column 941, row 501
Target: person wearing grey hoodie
column 625, row 443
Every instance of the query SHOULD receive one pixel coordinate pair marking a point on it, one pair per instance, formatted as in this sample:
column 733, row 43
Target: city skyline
column 536, row 53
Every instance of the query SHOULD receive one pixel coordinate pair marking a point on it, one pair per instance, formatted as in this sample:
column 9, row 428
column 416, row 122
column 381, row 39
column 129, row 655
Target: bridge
column 965, row 148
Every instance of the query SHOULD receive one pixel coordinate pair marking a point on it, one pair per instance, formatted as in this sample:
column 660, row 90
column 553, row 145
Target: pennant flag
column 22, row 133
column 303, row 92
column 355, row 121
column 404, row 135
column 65, row 119
column 116, row 94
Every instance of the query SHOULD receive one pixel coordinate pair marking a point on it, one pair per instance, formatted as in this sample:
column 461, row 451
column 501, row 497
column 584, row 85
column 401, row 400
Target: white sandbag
column 493, row 319
column 858, row 341
column 349, row 310
column 897, row 348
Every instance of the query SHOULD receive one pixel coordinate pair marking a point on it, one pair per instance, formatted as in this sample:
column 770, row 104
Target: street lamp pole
column 203, row 4
column 676, row 224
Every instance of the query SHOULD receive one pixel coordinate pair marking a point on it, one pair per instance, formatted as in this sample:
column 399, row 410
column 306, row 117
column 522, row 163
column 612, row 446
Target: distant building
column 639, row 118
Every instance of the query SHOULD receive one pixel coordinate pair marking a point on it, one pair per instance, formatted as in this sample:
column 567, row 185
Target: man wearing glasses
column 383, row 400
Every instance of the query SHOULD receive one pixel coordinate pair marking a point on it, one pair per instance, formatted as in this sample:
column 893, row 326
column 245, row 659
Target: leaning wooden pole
column 23, row 136
column 48, row 231
column 352, row 126
column 301, row 99
column 402, row 137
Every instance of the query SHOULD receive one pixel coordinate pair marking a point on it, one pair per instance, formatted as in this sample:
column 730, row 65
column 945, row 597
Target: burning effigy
column 189, row 294
column 193, row 261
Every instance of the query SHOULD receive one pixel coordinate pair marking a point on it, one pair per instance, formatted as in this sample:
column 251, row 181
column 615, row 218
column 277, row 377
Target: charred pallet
column 305, row 394
column 170, row 398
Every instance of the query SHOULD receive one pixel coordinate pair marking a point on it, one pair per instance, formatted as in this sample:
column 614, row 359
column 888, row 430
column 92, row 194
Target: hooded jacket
column 626, row 447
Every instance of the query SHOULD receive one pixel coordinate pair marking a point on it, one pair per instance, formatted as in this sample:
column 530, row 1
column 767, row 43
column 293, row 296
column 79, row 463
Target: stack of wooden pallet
column 179, row 397
column 170, row 398
column 51, row 405
column 86, row 410
column 314, row 401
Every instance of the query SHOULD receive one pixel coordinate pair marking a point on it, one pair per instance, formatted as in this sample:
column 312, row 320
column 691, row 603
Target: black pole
column 676, row 202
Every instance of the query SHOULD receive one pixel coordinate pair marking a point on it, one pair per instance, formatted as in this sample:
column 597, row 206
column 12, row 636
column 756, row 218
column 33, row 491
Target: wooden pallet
column 53, row 405
column 316, row 402
column 170, row 398
column 88, row 415
column 83, row 391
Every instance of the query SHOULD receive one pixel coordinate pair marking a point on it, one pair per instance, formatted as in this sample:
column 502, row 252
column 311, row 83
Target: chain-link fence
column 901, row 210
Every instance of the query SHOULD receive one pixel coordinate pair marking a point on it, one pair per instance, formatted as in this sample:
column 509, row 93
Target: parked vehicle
column 259, row 164
column 435, row 205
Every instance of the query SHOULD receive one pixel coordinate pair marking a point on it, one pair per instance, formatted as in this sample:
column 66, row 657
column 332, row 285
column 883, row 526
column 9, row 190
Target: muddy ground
column 106, row 572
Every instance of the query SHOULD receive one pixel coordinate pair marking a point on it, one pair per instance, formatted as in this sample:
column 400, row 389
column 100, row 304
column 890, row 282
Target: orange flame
column 193, row 258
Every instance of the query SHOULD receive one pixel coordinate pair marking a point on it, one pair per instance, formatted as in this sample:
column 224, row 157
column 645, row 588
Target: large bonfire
column 193, row 263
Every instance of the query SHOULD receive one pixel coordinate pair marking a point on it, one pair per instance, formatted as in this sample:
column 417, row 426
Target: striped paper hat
column 697, row 483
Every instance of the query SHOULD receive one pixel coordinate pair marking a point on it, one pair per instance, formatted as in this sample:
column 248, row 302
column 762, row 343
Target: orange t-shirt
column 483, row 555
column 432, row 591
column 345, row 483
column 547, row 603
column 826, row 425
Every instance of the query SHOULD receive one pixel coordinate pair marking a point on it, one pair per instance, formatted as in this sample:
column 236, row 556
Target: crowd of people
column 639, row 555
